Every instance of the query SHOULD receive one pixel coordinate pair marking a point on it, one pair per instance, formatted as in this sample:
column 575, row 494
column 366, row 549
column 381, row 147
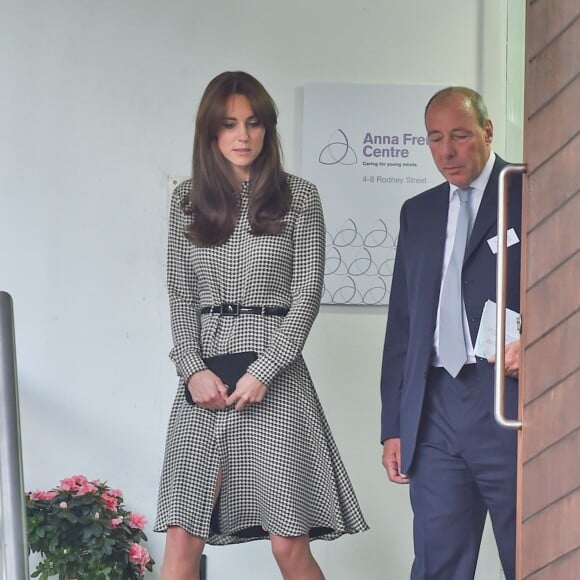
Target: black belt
column 233, row 309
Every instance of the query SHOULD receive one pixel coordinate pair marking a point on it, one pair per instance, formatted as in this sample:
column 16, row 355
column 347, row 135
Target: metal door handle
column 501, row 282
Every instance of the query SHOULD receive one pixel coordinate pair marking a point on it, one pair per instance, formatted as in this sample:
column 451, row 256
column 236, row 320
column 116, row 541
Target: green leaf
column 75, row 545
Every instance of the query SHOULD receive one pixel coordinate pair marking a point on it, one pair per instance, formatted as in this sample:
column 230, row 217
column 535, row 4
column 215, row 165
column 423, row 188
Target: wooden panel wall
column 549, row 500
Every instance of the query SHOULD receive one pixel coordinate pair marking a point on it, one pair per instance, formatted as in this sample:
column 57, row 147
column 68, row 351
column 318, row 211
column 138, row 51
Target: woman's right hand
column 207, row 390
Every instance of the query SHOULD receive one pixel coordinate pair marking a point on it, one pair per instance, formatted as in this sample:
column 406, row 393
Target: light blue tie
column 452, row 349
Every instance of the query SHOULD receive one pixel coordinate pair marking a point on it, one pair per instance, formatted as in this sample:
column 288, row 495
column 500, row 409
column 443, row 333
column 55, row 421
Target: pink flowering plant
column 82, row 530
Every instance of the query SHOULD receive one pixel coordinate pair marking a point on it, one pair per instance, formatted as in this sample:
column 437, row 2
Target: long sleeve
column 396, row 343
column 182, row 290
column 306, row 288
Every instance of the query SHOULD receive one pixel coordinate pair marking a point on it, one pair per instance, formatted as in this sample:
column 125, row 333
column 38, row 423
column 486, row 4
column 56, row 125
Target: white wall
column 96, row 111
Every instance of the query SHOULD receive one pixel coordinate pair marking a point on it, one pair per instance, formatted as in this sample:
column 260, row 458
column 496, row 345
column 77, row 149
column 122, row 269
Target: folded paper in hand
column 485, row 342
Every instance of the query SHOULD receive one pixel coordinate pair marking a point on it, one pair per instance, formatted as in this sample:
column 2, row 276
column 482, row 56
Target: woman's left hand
column 248, row 390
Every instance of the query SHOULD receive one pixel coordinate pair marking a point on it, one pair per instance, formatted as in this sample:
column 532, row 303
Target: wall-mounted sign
column 365, row 148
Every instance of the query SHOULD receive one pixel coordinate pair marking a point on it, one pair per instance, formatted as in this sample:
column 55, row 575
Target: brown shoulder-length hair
column 214, row 197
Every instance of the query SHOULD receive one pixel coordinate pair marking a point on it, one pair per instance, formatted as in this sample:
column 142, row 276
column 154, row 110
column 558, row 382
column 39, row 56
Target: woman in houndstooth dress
column 260, row 463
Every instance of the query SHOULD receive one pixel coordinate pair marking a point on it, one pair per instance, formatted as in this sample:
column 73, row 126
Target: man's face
column 460, row 147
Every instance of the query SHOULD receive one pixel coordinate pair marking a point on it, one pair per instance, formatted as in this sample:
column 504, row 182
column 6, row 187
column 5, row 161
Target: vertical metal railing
column 14, row 561
column 501, row 282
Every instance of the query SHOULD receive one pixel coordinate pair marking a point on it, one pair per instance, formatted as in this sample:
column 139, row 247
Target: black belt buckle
column 229, row 309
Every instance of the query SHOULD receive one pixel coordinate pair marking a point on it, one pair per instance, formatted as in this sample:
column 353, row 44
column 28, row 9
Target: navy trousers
column 464, row 467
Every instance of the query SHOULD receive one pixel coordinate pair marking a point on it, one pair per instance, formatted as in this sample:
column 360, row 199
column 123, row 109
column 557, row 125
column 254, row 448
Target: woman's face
column 241, row 137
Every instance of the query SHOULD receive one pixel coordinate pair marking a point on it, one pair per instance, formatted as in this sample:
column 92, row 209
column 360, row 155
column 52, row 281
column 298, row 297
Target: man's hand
column 512, row 359
column 392, row 460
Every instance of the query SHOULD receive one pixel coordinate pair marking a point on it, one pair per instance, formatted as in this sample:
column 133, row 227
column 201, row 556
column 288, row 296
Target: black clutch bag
column 228, row 367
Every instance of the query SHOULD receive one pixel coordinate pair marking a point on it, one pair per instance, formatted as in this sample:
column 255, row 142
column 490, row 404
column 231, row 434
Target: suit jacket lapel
column 435, row 226
column 487, row 214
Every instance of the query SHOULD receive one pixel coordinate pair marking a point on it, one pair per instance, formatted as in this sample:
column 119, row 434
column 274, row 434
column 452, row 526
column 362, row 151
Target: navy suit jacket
column 414, row 299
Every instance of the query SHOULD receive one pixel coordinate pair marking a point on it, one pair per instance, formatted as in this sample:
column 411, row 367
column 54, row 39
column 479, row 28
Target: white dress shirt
column 477, row 186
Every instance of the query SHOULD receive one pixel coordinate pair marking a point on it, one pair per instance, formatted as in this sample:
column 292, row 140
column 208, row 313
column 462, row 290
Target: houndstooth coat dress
column 281, row 469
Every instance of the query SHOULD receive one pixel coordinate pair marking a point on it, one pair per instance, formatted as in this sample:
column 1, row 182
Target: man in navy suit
column 437, row 426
